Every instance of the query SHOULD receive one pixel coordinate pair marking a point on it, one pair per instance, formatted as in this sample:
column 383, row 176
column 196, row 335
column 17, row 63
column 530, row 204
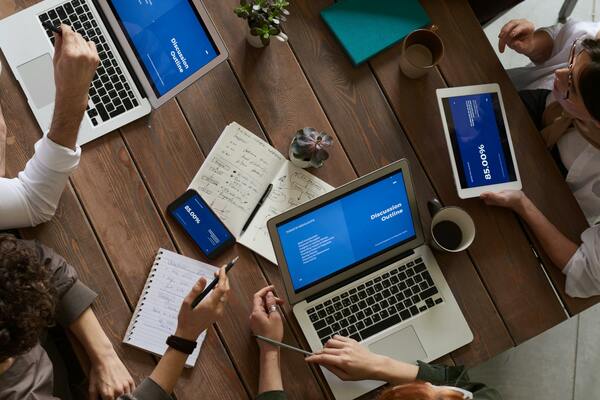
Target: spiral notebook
column 155, row 318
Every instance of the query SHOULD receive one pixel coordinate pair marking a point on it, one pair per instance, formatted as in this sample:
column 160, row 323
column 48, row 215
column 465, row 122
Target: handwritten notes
column 234, row 177
column 155, row 318
column 291, row 187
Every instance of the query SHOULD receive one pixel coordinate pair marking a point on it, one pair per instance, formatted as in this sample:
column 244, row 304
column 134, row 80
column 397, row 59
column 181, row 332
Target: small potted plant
column 309, row 148
column 264, row 20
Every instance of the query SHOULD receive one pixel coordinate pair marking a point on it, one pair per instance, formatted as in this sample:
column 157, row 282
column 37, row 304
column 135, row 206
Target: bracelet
column 180, row 344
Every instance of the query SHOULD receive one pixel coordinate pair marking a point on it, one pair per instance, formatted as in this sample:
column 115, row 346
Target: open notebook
column 155, row 318
column 237, row 173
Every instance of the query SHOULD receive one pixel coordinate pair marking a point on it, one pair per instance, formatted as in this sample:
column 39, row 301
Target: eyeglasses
column 574, row 53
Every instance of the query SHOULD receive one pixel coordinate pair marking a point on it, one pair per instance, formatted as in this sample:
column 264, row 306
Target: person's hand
column 109, row 379
column 265, row 319
column 518, row 34
column 192, row 322
column 513, row 199
column 75, row 63
column 348, row 360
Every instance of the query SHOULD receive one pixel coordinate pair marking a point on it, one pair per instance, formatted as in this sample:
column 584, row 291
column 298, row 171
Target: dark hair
column 589, row 79
column 418, row 391
column 27, row 297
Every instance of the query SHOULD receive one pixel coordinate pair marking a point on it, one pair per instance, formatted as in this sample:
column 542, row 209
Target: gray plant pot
column 298, row 162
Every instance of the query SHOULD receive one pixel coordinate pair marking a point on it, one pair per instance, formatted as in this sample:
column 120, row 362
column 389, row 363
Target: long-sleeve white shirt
column 32, row 197
column 581, row 159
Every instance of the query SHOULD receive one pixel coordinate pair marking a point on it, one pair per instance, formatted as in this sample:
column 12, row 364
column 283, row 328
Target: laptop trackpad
column 38, row 79
column 403, row 345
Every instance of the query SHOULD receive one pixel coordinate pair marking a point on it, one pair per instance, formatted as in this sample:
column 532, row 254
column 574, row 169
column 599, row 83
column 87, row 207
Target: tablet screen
column 479, row 140
column 169, row 38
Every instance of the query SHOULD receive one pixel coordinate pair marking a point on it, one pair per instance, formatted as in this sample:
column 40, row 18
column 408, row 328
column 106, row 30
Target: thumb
column 196, row 290
column 93, row 391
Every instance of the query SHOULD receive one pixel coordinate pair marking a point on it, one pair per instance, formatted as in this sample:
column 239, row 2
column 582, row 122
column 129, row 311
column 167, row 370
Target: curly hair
column 27, row 297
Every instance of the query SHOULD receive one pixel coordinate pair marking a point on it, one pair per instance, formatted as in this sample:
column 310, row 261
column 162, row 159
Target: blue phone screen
column 202, row 224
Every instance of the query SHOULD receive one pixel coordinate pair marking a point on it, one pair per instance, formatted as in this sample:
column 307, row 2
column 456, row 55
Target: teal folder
column 366, row 27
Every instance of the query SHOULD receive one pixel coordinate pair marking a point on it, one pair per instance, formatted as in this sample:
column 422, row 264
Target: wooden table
column 112, row 215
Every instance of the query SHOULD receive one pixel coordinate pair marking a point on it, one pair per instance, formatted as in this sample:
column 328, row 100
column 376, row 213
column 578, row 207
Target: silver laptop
column 355, row 263
column 149, row 50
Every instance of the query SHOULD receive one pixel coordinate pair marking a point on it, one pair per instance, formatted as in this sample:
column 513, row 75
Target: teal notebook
column 366, row 27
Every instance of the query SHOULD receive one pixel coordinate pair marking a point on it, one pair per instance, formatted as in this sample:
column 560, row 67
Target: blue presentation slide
column 481, row 153
column 201, row 224
column 347, row 231
column 170, row 40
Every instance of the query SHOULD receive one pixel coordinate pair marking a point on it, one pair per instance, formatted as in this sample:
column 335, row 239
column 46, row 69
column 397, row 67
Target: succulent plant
column 264, row 18
column 310, row 146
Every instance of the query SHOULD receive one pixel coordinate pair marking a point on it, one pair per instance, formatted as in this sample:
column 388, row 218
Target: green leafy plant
column 310, row 147
column 264, row 18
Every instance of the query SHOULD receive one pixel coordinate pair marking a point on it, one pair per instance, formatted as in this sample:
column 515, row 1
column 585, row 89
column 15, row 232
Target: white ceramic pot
column 254, row 41
column 298, row 162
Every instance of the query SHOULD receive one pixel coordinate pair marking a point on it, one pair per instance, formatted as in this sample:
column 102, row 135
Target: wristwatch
column 180, row 344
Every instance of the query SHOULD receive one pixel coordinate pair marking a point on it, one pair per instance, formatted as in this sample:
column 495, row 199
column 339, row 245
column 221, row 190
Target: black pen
column 212, row 285
column 260, row 203
column 49, row 26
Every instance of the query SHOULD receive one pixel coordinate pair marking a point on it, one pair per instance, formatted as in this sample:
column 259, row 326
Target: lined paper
column 155, row 318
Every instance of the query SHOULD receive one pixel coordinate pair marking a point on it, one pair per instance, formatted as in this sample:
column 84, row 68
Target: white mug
column 452, row 228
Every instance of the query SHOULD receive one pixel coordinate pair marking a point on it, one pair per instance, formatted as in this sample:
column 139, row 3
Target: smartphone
column 201, row 224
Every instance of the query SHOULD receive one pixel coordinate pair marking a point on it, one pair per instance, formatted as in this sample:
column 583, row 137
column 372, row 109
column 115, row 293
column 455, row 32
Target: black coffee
column 448, row 234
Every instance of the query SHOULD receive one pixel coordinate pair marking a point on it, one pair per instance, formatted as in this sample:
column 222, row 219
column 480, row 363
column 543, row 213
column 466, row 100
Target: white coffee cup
column 452, row 228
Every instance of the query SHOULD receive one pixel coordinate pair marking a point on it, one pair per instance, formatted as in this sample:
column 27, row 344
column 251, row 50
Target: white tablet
column 479, row 143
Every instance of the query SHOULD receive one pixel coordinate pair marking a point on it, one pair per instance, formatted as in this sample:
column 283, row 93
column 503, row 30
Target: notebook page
column 236, row 174
column 291, row 187
column 155, row 317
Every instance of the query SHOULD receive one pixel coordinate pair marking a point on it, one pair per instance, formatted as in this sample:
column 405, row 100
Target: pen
column 285, row 346
column 260, row 203
column 212, row 285
column 51, row 27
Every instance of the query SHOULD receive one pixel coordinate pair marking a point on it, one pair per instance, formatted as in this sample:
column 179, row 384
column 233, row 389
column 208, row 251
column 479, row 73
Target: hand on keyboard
column 75, row 63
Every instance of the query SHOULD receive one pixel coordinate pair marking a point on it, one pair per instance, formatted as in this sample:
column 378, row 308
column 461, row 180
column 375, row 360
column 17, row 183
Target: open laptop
column 149, row 50
column 355, row 263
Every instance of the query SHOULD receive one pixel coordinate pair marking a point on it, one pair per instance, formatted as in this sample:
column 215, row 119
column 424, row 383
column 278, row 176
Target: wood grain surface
column 112, row 217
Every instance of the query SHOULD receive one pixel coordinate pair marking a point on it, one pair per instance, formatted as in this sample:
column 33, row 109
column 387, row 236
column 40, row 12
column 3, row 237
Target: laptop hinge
column 116, row 42
column 335, row 287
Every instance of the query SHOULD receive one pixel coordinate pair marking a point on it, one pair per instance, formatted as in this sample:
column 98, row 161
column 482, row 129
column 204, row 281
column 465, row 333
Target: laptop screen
column 347, row 231
column 169, row 38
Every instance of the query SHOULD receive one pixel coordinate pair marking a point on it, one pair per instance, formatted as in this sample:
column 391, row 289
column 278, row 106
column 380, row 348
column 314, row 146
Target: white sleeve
column 562, row 35
column 583, row 270
column 32, row 197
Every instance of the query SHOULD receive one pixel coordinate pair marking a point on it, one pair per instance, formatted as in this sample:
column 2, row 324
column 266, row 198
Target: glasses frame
column 573, row 54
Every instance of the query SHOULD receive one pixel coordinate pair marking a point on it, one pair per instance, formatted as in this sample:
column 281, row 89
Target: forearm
column 542, row 48
column 68, row 113
column 558, row 247
column 169, row 369
column 90, row 334
column 270, row 371
column 396, row 372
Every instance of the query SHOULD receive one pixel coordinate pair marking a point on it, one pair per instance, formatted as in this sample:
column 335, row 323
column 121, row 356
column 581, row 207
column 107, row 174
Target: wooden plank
column 169, row 162
column 373, row 137
column 69, row 233
column 538, row 170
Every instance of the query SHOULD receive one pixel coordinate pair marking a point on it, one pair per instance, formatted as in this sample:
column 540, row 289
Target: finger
column 517, row 31
column 324, row 359
column 196, row 291
column 262, row 292
column 335, row 344
column 93, row 392
column 270, row 299
column 107, row 394
column 509, row 26
column 58, row 44
column 69, row 37
column 259, row 304
column 341, row 338
column 504, row 35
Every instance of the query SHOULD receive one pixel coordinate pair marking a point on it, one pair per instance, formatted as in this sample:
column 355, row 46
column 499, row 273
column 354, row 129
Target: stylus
column 212, row 285
column 51, row 27
column 260, row 203
column 285, row 346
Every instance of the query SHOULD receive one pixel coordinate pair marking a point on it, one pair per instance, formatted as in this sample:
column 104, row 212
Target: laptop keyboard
column 110, row 93
column 378, row 304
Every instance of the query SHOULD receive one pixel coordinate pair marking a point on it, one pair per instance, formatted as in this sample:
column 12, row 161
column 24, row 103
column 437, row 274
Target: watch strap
column 182, row 345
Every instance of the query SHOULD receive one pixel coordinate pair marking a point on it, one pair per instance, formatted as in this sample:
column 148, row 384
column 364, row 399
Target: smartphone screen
column 201, row 224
